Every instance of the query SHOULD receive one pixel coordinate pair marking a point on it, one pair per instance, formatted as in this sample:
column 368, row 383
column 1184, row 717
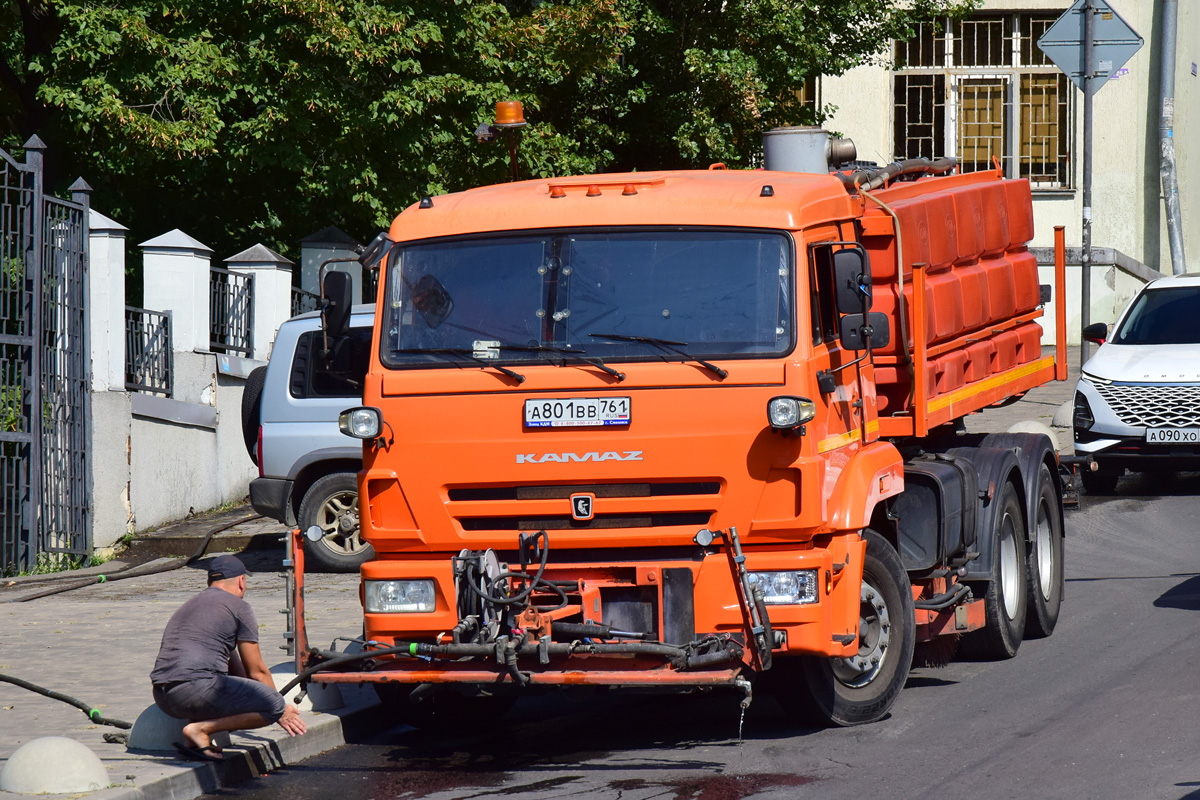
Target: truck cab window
column 824, row 312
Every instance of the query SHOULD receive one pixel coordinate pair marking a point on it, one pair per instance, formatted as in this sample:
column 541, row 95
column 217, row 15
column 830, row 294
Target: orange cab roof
column 692, row 197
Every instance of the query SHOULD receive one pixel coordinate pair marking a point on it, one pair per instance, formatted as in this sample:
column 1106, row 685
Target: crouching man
column 210, row 670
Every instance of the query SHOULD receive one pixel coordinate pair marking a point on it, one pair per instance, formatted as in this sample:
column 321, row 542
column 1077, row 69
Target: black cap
column 224, row 567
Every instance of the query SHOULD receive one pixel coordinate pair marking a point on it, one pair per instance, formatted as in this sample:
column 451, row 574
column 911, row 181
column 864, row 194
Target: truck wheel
column 1045, row 559
column 861, row 689
column 443, row 710
column 252, row 410
column 332, row 504
column 1004, row 595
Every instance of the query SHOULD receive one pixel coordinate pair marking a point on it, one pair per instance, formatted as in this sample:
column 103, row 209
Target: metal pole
column 1085, row 261
column 35, row 151
column 1166, row 137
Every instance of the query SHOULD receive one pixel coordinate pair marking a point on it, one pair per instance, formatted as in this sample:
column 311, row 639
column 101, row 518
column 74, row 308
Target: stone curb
column 251, row 755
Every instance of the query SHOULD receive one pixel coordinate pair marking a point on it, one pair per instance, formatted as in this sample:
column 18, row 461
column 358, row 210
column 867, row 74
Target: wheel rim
column 874, row 635
column 338, row 517
column 1044, row 551
column 1008, row 566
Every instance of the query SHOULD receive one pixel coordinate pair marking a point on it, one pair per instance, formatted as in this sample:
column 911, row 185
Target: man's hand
column 291, row 722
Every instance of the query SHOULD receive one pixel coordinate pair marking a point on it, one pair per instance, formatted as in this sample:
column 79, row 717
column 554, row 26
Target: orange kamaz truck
column 699, row 429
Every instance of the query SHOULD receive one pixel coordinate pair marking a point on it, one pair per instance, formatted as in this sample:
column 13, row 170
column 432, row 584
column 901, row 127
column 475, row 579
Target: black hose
column 139, row 571
column 870, row 179
column 943, row 600
column 92, row 713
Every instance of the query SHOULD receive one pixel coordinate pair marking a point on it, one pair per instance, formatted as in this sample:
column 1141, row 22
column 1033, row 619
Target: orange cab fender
column 871, row 474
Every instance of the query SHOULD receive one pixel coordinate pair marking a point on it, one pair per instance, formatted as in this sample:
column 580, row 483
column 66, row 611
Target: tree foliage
column 268, row 119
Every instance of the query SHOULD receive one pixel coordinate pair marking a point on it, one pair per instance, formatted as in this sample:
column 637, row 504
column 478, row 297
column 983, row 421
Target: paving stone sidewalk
column 98, row 644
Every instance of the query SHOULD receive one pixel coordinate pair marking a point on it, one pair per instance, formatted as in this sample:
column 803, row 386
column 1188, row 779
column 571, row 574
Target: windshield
column 711, row 293
column 1162, row 316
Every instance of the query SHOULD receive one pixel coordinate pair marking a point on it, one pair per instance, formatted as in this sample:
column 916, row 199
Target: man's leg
column 223, row 703
column 199, row 734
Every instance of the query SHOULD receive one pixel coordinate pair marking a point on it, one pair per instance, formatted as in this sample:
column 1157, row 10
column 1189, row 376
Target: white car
column 1137, row 403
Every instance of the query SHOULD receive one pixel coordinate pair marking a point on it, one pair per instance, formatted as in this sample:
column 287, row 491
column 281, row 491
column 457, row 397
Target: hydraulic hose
column 943, row 600
column 92, row 713
column 153, row 568
column 418, row 649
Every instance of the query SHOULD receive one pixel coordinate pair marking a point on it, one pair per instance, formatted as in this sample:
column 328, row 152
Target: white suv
column 1137, row 403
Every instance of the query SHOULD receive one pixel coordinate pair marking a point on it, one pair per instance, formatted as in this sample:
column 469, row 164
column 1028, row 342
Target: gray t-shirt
column 202, row 635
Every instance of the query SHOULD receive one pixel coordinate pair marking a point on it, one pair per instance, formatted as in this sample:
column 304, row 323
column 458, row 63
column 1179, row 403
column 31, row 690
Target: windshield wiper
column 578, row 355
column 667, row 345
column 463, row 351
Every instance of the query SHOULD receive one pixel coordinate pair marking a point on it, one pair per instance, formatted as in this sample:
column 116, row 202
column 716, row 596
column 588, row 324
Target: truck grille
column 1153, row 405
column 690, row 503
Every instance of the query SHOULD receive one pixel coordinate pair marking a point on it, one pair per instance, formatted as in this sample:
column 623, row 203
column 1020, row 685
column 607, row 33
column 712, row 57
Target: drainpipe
column 1166, row 136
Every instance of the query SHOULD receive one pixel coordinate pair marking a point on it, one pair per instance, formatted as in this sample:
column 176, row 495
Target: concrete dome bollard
column 153, row 731
column 52, row 765
column 321, row 696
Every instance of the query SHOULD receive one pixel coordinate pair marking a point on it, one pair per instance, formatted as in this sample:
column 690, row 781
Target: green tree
column 268, row 119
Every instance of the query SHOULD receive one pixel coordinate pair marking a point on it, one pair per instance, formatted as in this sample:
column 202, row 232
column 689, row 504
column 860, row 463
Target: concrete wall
column 157, row 459
column 1127, row 192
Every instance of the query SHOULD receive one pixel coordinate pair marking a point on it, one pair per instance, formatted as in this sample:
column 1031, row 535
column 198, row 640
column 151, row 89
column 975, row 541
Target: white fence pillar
column 272, row 275
column 176, row 273
column 106, row 302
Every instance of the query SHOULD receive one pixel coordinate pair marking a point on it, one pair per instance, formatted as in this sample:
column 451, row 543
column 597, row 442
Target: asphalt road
column 1108, row 707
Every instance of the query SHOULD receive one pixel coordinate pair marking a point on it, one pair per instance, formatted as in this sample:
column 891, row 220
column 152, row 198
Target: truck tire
column 252, row 410
column 331, row 503
column 1045, row 558
column 858, row 690
column 1006, row 594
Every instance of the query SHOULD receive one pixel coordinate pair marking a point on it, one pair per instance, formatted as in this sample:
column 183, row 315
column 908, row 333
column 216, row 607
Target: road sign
column 1113, row 43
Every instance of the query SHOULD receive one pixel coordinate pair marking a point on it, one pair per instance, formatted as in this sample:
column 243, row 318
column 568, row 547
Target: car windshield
column 1162, row 316
column 628, row 294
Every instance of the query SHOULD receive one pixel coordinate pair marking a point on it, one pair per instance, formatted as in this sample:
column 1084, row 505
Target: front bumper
column 688, row 610
column 1116, row 442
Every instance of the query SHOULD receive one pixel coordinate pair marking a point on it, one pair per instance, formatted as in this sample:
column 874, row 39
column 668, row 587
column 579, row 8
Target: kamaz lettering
column 564, row 458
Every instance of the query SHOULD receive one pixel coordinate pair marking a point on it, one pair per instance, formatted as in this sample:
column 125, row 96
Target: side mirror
column 860, row 329
column 335, row 313
column 376, row 251
column 1096, row 332
column 851, row 280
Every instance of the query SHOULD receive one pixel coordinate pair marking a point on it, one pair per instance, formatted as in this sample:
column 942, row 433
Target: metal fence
column 231, row 312
column 149, row 365
column 303, row 301
column 44, row 405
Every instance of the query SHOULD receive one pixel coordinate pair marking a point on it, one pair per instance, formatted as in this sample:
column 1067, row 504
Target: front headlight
column 361, row 423
column 1083, row 418
column 787, row 413
column 400, row 597
column 1094, row 380
column 795, row 587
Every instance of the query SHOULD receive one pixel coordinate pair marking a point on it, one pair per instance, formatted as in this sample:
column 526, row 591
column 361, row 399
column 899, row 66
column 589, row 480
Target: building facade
column 980, row 89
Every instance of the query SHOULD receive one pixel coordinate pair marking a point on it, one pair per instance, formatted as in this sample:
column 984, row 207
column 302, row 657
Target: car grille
column 668, row 504
column 1153, row 405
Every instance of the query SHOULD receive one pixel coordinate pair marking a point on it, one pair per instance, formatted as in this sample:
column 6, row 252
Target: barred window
column 980, row 89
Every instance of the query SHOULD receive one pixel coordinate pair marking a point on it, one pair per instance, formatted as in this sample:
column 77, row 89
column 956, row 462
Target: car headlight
column 1082, row 419
column 400, row 597
column 361, row 423
column 1093, row 379
column 794, row 587
column 789, row 413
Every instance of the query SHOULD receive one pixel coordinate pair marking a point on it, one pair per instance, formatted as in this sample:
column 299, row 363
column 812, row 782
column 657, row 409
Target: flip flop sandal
column 208, row 753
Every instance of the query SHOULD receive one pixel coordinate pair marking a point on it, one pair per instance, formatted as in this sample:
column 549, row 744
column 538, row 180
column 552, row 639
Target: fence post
column 106, row 302
column 176, row 271
column 272, row 275
column 35, row 152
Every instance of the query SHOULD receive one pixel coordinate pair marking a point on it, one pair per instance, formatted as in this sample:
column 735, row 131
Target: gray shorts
column 218, row 696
